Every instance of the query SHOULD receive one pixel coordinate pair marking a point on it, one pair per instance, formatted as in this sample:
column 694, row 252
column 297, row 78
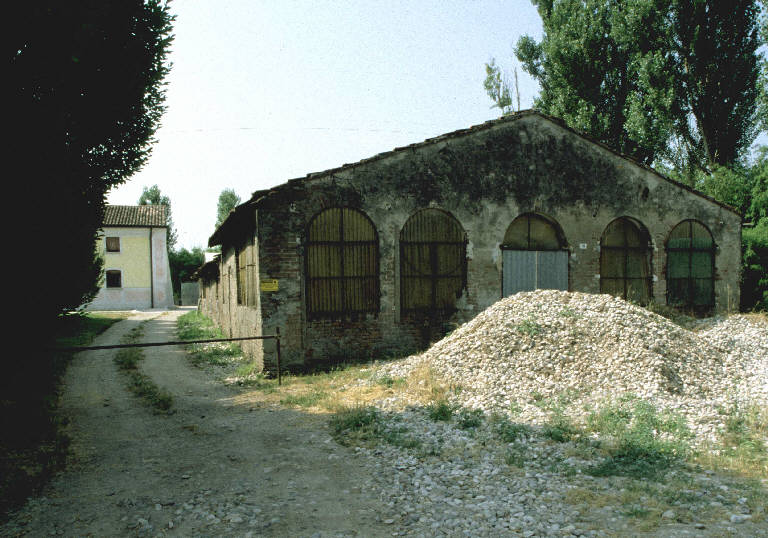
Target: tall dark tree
column 84, row 94
column 714, row 46
column 153, row 196
column 84, row 87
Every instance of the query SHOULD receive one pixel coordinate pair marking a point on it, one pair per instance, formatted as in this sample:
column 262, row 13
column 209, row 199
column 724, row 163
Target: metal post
column 277, row 342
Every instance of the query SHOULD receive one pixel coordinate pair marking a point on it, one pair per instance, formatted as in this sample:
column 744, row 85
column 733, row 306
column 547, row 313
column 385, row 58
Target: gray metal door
column 527, row 270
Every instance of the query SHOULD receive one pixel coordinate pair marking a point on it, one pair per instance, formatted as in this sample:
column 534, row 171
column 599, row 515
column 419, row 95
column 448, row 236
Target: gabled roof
column 262, row 195
column 135, row 215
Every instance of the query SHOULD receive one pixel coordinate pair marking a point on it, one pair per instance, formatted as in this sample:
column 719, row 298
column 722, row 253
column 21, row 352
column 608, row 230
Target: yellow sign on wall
column 269, row 284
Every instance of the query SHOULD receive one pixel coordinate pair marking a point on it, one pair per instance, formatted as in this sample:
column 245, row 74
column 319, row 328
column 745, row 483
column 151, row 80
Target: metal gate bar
column 275, row 337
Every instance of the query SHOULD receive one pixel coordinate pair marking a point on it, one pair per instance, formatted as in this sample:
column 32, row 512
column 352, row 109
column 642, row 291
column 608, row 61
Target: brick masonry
column 485, row 177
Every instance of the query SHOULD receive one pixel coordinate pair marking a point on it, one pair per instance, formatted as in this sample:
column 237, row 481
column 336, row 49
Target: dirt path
column 215, row 467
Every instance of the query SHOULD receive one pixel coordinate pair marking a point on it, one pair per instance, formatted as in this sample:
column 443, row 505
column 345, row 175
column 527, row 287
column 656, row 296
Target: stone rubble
column 582, row 351
column 593, row 348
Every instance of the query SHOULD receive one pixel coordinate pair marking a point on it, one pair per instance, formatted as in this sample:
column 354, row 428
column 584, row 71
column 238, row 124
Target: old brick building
column 392, row 251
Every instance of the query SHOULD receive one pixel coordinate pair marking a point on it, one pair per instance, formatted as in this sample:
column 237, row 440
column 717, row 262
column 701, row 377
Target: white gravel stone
column 579, row 351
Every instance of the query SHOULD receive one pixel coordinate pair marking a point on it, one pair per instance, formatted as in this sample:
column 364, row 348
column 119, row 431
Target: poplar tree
column 659, row 80
column 84, row 95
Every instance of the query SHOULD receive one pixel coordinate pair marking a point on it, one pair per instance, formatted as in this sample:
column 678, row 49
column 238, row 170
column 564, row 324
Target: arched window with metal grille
column 342, row 264
column 690, row 266
column 625, row 260
column 433, row 262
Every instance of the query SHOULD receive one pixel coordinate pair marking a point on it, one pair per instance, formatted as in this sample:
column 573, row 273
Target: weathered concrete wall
column 210, row 304
column 161, row 267
column 485, row 180
column 236, row 319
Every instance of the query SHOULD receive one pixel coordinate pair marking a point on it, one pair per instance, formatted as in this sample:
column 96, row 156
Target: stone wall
column 485, row 178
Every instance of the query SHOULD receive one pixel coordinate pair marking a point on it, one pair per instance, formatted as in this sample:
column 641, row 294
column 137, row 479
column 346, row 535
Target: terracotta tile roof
column 134, row 215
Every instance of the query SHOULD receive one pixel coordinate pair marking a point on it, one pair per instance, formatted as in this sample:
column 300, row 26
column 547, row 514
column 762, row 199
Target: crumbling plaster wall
column 485, row 180
column 241, row 320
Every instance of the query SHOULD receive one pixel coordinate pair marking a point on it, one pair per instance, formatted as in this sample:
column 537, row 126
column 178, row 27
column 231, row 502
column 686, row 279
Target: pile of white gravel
column 583, row 349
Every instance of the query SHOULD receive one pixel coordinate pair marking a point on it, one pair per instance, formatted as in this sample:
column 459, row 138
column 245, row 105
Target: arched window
column 625, row 260
column 433, row 262
column 534, row 255
column 690, row 265
column 342, row 264
column 533, row 232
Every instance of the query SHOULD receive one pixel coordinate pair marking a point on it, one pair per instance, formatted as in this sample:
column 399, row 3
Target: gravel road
column 215, row 467
column 227, row 464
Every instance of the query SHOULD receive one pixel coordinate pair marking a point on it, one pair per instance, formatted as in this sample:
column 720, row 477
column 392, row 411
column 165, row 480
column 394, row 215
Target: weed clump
column 358, row 424
column 508, row 431
column 440, row 411
column 640, row 441
column 127, row 360
column 470, row 418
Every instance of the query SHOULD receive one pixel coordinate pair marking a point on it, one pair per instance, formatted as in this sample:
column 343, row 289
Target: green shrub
column 306, row 399
column 356, row 424
column 440, row 411
column 508, row 431
column 560, row 428
column 470, row 418
column 529, row 326
column 640, row 441
column 754, row 286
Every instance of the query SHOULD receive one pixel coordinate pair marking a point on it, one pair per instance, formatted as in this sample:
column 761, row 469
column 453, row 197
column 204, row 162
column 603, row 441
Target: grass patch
column 195, row 326
column 508, row 431
column 515, row 456
column 390, row 382
column 356, row 425
column 468, row 419
column 742, row 444
column 640, row 441
column 363, row 425
column 529, row 326
column 33, row 445
column 127, row 361
column 560, row 429
column 312, row 398
column 440, row 411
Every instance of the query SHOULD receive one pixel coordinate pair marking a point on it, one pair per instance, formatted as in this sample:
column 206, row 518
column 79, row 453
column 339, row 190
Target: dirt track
column 217, row 466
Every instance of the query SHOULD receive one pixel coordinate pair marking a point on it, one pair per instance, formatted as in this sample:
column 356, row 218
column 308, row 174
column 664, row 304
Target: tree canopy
column 228, row 200
column 153, row 196
column 672, row 80
column 84, row 90
column 183, row 263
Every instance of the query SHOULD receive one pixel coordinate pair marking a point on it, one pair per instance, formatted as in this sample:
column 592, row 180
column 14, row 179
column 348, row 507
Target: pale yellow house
column 133, row 242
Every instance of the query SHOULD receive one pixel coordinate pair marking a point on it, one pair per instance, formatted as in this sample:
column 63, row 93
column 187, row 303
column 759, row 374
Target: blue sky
column 265, row 91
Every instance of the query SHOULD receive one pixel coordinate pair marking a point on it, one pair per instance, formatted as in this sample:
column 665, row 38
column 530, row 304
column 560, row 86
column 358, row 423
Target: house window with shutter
column 433, row 263
column 690, row 266
column 114, row 279
column 342, row 264
column 113, row 244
